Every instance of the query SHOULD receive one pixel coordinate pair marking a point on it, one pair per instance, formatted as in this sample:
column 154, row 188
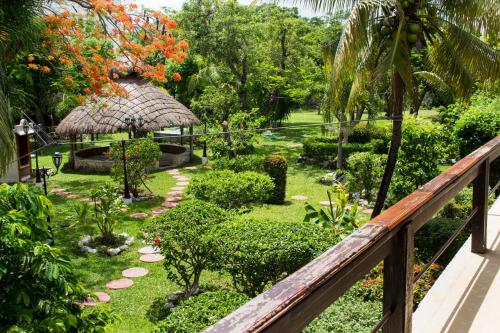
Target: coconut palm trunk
column 398, row 90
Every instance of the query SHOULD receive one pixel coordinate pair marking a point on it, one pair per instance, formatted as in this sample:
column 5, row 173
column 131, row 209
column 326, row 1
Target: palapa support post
column 182, row 135
column 191, row 143
column 72, row 148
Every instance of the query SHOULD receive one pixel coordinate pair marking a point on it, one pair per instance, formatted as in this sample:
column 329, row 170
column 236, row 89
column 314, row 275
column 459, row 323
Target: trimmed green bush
column 276, row 167
column 201, row 311
column 364, row 133
column 257, row 253
column 231, row 190
column 239, row 163
column 479, row 124
column 181, row 234
column 365, row 173
column 327, row 151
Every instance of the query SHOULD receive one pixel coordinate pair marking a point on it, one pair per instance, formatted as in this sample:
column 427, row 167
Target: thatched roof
column 107, row 114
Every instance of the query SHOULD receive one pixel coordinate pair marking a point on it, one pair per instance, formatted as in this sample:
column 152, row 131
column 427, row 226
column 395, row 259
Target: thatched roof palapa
column 107, row 114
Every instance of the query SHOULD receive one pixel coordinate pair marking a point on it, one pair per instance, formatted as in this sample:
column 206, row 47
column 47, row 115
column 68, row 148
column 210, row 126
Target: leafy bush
column 181, row 234
column 365, row 173
column 321, row 150
column 201, row 311
column 38, row 287
column 460, row 207
column 430, row 238
column 232, row 190
column 422, row 149
column 347, row 314
column 239, row 163
column 479, row 124
column 107, row 206
column 364, row 133
column 141, row 156
column 257, row 253
column 449, row 114
column 276, row 167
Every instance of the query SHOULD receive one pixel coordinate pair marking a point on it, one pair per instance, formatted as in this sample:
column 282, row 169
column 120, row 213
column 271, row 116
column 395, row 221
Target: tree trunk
column 227, row 138
column 340, row 151
column 396, row 110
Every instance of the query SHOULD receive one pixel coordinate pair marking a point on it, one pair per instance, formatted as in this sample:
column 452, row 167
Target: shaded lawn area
column 96, row 270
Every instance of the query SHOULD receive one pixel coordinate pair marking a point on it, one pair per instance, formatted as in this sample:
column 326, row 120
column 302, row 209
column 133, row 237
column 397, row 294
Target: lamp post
column 126, row 193
column 133, row 124
column 57, row 160
column 204, row 158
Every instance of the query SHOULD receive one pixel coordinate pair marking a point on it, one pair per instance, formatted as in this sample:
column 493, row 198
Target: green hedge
column 364, row 133
column 231, row 190
column 239, row 163
column 276, row 167
column 321, row 150
column 199, row 312
column 258, row 253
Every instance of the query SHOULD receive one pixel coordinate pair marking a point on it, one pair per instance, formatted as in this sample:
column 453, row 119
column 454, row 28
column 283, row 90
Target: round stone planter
column 85, row 245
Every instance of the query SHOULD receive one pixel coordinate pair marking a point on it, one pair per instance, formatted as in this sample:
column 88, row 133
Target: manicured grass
column 96, row 270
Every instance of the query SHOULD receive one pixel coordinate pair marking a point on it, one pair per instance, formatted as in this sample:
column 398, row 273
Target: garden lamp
column 140, row 121
column 57, row 159
column 26, row 128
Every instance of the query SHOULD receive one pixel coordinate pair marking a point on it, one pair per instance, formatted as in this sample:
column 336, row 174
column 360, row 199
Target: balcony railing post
column 398, row 283
column 480, row 201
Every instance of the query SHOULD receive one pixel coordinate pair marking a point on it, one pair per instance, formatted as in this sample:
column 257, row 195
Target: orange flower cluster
column 119, row 37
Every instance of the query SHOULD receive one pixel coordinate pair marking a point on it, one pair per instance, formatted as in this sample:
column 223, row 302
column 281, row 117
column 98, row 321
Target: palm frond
column 472, row 15
column 434, row 81
column 6, row 138
column 332, row 6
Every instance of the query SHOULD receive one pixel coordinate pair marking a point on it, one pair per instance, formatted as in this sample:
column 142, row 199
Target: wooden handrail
column 295, row 301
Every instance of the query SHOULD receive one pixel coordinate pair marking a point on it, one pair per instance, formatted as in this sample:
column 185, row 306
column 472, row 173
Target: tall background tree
column 377, row 44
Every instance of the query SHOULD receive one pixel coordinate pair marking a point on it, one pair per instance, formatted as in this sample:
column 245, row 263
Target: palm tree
column 377, row 42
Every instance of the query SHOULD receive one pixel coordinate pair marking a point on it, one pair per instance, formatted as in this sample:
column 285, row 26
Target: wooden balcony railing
column 295, row 301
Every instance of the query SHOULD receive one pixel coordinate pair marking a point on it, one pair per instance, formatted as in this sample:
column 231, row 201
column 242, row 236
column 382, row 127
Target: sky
column 177, row 4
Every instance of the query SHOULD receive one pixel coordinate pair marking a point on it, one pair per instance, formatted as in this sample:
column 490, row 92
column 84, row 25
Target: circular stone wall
column 95, row 159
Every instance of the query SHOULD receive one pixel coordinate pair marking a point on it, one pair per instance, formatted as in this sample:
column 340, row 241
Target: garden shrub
column 422, row 149
column 257, row 253
column 239, row 163
column 201, row 311
column 479, row 124
column 38, row 286
column 322, row 151
column 364, row 175
column 430, row 238
column 276, row 167
column 232, row 190
column 106, row 208
column 141, row 156
column 364, row 133
column 181, row 234
column 347, row 314
column 449, row 114
column 460, row 207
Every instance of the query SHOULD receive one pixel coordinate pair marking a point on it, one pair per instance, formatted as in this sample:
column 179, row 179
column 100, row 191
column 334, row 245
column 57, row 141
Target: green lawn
column 95, row 270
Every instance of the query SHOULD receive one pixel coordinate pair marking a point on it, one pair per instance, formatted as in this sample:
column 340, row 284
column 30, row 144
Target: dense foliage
column 365, row 173
column 38, row 288
column 324, row 148
column 200, row 312
column 239, row 163
column 258, row 253
column 107, row 205
column 141, row 157
column 232, row 190
column 181, row 233
column 276, row 167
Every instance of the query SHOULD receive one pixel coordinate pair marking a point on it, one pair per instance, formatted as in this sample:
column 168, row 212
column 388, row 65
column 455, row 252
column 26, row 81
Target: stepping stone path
column 74, row 196
column 169, row 204
column 182, row 178
column 173, row 199
column 148, row 250
column 138, row 215
column 324, row 203
column 124, row 209
column 155, row 257
column 120, row 284
column 368, row 211
column 175, row 193
column 53, row 185
column 159, row 211
column 135, row 272
column 294, row 145
column 58, row 190
column 191, row 168
column 182, row 184
column 178, row 188
column 103, row 297
column 299, row 197
column 173, row 172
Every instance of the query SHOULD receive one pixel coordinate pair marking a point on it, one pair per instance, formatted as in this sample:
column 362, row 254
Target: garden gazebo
column 149, row 107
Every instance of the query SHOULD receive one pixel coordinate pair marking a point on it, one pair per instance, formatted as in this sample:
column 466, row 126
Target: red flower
column 125, row 158
column 177, row 76
column 157, row 240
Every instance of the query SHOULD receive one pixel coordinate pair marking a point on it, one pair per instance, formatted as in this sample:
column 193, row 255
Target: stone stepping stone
column 138, row 215
column 299, row 197
column 64, row 194
column 149, row 250
column 294, row 145
column 134, row 272
column 119, row 284
column 58, row 190
column 159, row 211
column 191, row 168
column 182, row 184
column 88, row 302
column 173, row 199
column 124, row 209
column 85, row 199
column 102, row 296
column 53, row 185
column 168, row 204
column 368, row 211
column 155, row 257
column 178, row 188
column 182, row 178
column 174, row 172
column 175, row 193
column 74, row 196
column 324, row 203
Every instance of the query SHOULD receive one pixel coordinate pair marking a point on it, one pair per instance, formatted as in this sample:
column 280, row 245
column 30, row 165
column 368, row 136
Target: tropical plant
column 276, row 167
column 365, row 173
column 141, row 157
column 378, row 40
column 39, row 290
column 181, row 234
column 339, row 217
column 107, row 205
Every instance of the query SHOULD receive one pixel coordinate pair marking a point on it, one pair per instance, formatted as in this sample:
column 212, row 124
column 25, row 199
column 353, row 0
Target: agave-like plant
column 379, row 37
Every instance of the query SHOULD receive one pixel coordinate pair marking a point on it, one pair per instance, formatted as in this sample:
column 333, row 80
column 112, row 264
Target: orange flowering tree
column 86, row 46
